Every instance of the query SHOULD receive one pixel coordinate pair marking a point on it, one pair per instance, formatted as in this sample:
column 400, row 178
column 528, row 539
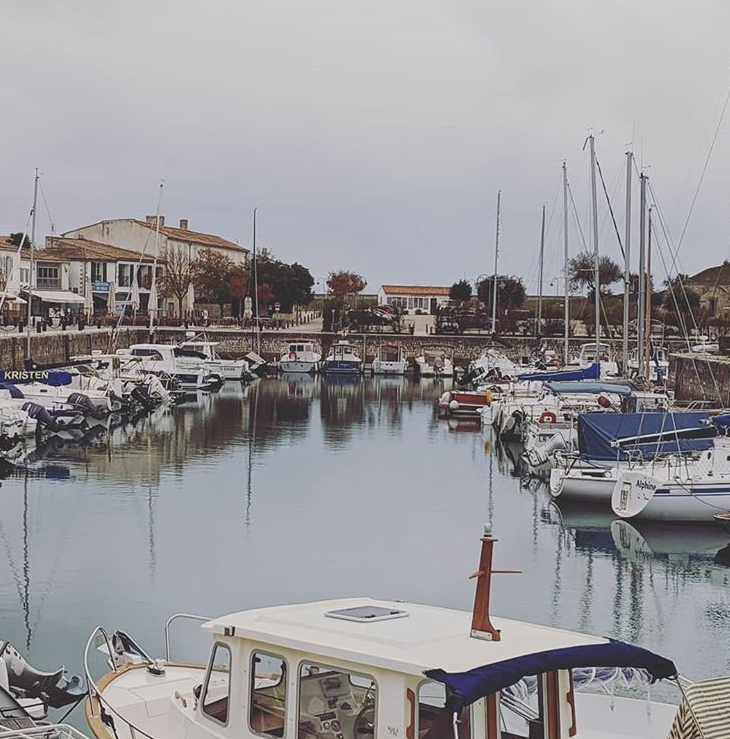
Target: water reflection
column 299, row 488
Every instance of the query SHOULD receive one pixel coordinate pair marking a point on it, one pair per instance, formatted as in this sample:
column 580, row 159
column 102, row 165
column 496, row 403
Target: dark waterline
column 302, row 489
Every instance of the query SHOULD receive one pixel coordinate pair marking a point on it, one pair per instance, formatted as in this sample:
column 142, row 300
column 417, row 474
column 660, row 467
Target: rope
column 610, row 210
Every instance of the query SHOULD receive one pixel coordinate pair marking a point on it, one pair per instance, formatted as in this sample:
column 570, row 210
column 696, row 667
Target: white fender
column 632, row 493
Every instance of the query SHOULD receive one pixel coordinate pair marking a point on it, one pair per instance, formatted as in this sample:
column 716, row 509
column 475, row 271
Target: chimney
column 184, row 224
column 152, row 219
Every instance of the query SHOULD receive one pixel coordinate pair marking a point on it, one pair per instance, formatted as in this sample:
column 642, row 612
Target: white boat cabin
column 364, row 669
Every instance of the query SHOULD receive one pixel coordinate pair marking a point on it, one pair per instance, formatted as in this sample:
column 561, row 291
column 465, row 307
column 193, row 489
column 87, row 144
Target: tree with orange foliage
column 342, row 283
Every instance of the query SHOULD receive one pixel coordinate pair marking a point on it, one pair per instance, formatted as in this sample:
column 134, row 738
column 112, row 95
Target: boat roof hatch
column 367, row 613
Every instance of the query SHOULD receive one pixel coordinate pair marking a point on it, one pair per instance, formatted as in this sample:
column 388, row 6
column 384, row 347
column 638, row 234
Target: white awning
column 58, row 296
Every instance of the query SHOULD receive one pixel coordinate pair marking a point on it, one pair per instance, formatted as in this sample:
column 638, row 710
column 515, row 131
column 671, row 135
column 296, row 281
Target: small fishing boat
column 358, row 667
column 301, row 357
column 390, row 360
column 435, row 362
column 597, row 352
column 342, row 360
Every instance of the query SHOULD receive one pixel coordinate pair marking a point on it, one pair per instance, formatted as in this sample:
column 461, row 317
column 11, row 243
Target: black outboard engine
column 141, row 395
column 41, row 415
column 79, row 400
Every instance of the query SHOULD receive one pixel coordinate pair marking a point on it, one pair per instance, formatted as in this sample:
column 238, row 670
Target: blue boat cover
column 660, row 433
column 464, row 688
column 722, row 420
column 589, row 373
column 567, row 386
column 12, row 389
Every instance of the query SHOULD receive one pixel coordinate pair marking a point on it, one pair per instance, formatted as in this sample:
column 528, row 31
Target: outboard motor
column 79, row 400
column 141, row 395
column 41, row 415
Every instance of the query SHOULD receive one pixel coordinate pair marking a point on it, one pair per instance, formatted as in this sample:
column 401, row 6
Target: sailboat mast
column 627, row 261
column 647, row 301
column 153, row 283
column 566, row 317
column 256, row 288
column 542, row 258
column 496, row 257
column 642, row 278
column 32, row 262
column 596, row 258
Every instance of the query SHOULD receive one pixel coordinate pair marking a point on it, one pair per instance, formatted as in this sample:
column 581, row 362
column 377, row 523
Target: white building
column 412, row 298
column 139, row 236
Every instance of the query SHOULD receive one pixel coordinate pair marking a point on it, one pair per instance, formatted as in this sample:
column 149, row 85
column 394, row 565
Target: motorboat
column 26, row 693
column 705, row 345
column 301, row 357
column 186, row 366
column 342, row 360
column 228, row 369
column 658, row 364
column 491, row 366
column 466, row 402
column 358, row 667
column 597, row 352
column 390, row 359
column 434, row 362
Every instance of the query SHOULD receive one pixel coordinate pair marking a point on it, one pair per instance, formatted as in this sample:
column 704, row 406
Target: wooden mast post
column 481, row 624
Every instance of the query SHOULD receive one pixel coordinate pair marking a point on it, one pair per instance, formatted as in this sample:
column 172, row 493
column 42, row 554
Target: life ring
column 292, row 356
column 548, row 417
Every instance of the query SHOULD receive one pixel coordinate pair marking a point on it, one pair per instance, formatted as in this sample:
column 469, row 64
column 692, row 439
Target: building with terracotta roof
column 412, row 298
column 139, row 236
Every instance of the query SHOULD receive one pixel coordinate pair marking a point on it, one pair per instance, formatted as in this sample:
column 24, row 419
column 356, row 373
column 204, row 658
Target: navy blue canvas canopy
column 589, row 373
column 611, row 436
column 575, row 387
column 463, row 688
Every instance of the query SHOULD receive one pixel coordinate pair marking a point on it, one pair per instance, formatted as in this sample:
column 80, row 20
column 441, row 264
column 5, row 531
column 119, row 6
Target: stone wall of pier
column 53, row 349
column 700, row 378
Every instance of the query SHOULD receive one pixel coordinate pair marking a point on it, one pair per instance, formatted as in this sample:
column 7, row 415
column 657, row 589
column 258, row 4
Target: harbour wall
column 700, row 378
column 53, row 349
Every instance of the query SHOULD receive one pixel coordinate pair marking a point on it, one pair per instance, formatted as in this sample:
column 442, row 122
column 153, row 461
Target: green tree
column 680, row 301
column 581, row 273
column 291, row 284
column 16, row 238
column 511, row 292
column 211, row 271
column 460, row 291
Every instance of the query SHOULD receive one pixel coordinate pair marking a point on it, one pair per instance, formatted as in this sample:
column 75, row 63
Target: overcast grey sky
column 372, row 135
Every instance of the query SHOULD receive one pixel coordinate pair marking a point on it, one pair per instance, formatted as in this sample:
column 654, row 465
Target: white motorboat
column 164, row 359
column 593, row 352
column 435, row 363
column 658, row 364
column 390, row 360
column 342, row 360
column 228, row 369
column 301, row 357
column 354, row 668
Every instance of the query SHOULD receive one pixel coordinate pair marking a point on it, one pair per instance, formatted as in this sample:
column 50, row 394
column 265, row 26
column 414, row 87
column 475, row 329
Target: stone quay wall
column 54, row 349
column 701, row 378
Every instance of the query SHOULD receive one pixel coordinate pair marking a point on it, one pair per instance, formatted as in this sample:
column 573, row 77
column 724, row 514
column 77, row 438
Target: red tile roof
column 416, row 290
column 85, row 250
column 194, row 237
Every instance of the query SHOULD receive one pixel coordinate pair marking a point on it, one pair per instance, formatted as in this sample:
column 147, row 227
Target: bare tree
column 177, row 276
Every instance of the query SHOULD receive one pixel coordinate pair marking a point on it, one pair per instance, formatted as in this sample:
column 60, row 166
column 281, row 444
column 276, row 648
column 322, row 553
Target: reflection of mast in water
column 150, row 513
column 253, row 408
column 585, row 620
column 558, row 583
column 26, row 567
column 490, row 491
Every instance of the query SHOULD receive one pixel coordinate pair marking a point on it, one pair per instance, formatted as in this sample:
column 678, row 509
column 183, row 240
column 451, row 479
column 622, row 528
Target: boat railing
column 94, row 692
column 45, row 731
column 177, row 617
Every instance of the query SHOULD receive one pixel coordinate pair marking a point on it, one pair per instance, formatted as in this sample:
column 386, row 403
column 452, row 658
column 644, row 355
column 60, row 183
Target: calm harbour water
column 301, row 489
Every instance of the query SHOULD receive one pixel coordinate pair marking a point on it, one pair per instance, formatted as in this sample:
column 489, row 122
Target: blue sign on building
column 100, row 286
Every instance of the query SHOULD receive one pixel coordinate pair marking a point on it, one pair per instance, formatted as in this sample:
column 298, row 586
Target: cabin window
column 217, row 689
column 267, row 707
column 435, row 721
column 333, row 702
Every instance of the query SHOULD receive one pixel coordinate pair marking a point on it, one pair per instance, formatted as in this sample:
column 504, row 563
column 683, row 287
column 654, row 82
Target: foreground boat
column 354, row 668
